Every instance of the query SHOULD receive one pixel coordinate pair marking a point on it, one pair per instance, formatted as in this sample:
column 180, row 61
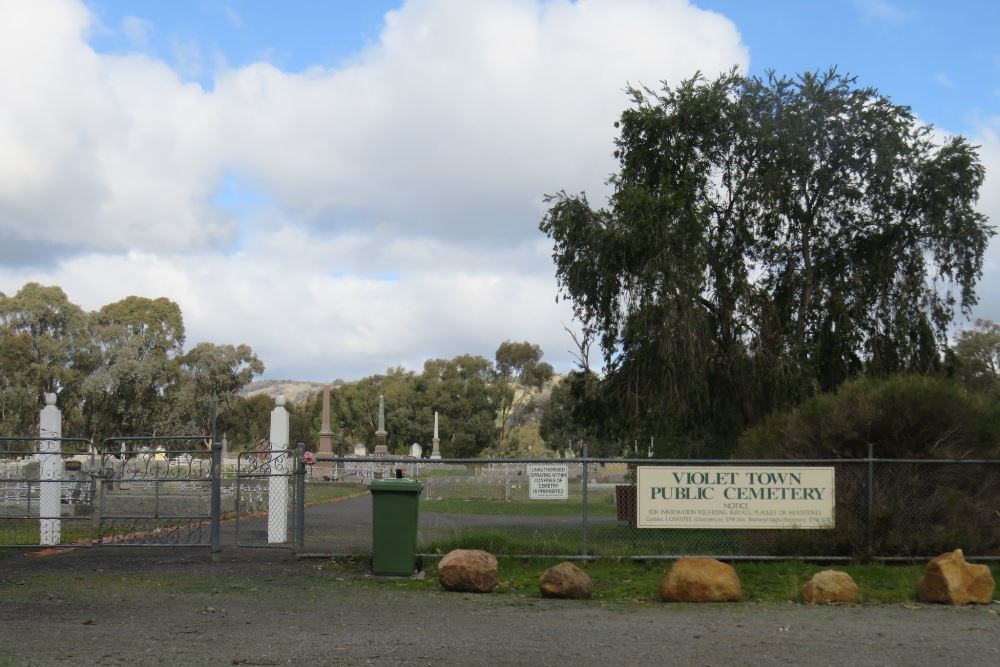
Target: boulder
column 830, row 587
column 700, row 580
column 950, row 580
column 468, row 570
column 565, row 580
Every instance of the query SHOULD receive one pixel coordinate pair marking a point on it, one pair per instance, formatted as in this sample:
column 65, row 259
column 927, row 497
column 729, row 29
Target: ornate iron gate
column 156, row 491
column 268, row 501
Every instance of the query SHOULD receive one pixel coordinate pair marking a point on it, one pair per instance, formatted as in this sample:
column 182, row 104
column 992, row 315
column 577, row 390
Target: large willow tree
column 766, row 239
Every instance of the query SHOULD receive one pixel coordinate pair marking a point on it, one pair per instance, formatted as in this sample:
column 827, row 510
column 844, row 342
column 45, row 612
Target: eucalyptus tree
column 210, row 376
column 45, row 346
column 519, row 374
column 139, row 340
column 767, row 238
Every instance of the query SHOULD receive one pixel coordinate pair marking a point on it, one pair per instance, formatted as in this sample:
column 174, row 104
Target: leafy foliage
column 766, row 239
column 900, row 417
column 519, row 374
column 977, row 355
column 119, row 371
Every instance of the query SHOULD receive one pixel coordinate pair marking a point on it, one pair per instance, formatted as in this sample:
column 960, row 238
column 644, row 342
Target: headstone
column 416, row 451
column 360, row 450
column 225, row 447
column 436, row 442
column 381, row 437
column 50, row 465
column 277, row 514
column 325, row 434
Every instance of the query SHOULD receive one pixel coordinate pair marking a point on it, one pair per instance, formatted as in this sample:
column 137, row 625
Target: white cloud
column 988, row 138
column 425, row 156
column 882, row 10
column 137, row 31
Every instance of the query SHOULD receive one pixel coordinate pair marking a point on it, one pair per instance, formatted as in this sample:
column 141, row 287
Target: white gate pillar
column 50, row 472
column 277, row 504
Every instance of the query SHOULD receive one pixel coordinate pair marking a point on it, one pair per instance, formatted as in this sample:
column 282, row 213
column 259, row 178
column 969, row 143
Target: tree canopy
column 766, row 239
column 121, row 370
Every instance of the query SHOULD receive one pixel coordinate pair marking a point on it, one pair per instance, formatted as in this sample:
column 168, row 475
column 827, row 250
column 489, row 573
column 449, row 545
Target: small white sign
column 730, row 497
column 548, row 481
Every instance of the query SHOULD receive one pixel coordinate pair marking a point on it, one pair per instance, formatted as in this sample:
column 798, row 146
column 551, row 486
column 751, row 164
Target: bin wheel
column 420, row 563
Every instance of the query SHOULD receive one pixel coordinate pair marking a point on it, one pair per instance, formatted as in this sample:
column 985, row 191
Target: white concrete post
column 277, row 508
column 50, row 469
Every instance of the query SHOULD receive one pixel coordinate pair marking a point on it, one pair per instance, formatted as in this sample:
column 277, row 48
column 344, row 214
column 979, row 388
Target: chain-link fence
column 883, row 509
column 46, row 491
column 265, row 498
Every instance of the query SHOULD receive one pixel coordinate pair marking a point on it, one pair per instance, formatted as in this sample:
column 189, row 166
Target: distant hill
column 296, row 391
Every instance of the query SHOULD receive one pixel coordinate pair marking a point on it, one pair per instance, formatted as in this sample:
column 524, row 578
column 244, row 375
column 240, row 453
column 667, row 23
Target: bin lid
column 398, row 485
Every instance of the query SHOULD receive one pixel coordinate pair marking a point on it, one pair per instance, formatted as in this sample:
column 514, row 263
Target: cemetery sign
column 735, row 497
column 548, row 481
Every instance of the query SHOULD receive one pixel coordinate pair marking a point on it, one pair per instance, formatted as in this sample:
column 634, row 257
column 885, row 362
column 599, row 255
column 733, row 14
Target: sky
column 350, row 186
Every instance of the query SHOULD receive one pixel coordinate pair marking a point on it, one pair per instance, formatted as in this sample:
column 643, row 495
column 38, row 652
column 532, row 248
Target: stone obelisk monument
column 381, row 448
column 325, row 434
column 436, row 451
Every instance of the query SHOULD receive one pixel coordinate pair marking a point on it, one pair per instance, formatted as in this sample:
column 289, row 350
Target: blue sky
column 349, row 186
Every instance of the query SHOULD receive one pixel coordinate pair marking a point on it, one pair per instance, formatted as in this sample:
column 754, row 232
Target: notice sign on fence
column 730, row 497
column 548, row 481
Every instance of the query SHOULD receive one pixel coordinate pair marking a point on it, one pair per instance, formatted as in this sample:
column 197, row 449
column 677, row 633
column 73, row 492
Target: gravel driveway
column 114, row 606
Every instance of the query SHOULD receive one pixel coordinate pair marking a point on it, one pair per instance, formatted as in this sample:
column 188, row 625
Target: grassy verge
column 518, row 507
column 638, row 582
column 606, row 540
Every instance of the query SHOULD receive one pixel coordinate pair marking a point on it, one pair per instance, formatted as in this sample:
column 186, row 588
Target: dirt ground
column 120, row 606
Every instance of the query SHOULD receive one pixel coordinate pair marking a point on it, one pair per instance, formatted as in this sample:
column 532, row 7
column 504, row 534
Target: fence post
column 216, row 530
column 277, row 489
column 300, row 499
column 50, row 472
column 585, row 479
column 870, row 525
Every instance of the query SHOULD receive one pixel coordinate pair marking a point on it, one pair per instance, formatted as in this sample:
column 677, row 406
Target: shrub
column 919, row 508
column 902, row 417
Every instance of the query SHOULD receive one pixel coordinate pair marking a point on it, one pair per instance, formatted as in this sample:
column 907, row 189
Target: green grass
column 638, row 582
column 606, row 540
column 516, row 507
column 24, row 532
column 321, row 492
column 443, row 472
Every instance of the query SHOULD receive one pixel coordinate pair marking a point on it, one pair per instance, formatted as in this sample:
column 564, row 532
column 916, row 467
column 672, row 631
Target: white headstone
column 436, row 442
column 277, row 510
column 416, row 451
column 50, row 464
column 360, row 450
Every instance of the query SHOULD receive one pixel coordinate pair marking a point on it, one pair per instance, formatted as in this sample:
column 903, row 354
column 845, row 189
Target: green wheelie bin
column 394, row 526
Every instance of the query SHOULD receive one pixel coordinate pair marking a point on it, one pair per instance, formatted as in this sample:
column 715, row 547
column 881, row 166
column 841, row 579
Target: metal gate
column 46, row 491
column 155, row 491
column 268, row 498
column 159, row 491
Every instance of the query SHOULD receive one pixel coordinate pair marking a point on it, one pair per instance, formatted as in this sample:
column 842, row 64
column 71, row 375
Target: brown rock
column 950, row 580
column 829, row 587
column 468, row 570
column 565, row 580
column 700, row 580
